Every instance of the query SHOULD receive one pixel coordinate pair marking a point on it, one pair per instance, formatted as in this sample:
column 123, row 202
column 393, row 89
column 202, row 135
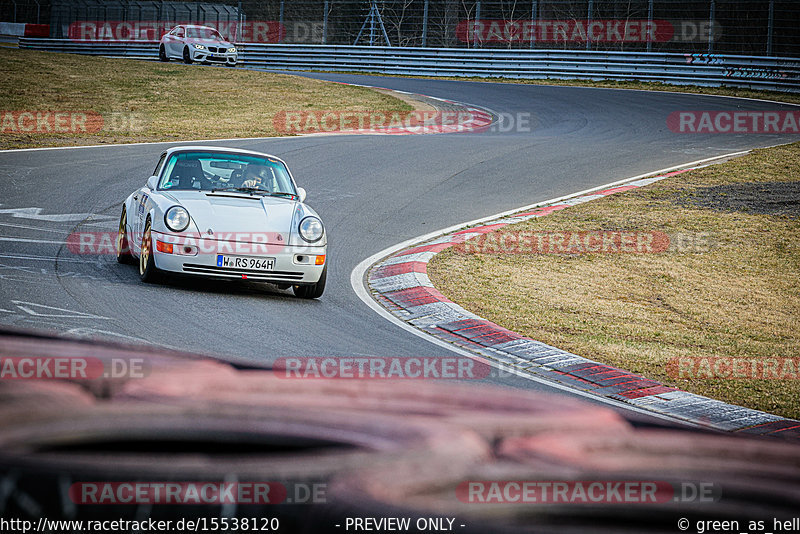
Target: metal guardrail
column 782, row 74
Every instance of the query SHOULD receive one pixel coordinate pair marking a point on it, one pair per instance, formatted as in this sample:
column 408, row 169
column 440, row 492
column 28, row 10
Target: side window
column 180, row 32
column 160, row 163
column 165, row 183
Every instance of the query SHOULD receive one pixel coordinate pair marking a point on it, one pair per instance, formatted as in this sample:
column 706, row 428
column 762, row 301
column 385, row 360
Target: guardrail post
column 711, row 15
column 770, row 26
column 534, row 17
column 325, row 23
column 425, row 25
column 238, row 21
column 649, row 25
column 588, row 22
column 475, row 26
column 280, row 21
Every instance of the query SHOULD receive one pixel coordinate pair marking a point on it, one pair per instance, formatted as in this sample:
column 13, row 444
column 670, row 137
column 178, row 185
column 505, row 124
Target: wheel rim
column 144, row 257
column 121, row 234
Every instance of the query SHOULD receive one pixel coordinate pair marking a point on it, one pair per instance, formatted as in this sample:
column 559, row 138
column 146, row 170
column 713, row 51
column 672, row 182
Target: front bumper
column 214, row 57
column 295, row 265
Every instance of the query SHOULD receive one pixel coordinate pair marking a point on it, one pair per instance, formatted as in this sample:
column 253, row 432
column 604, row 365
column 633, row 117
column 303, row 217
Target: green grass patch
column 148, row 101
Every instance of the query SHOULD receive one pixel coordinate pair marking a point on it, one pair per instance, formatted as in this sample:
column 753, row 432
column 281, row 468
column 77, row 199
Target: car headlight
column 231, row 50
column 176, row 219
column 199, row 47
column 311, row 229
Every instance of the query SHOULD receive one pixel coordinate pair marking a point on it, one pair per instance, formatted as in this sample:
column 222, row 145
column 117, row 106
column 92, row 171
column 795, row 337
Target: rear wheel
column 162, row 54
column 187, row 58
column 148, row 271
column 123, row 246
column 312, row 291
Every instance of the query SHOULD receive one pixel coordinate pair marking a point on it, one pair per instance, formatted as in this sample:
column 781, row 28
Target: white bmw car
column 196, row 43
column 224, row 213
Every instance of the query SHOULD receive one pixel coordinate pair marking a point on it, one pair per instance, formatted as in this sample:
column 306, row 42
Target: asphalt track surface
column 371, row 191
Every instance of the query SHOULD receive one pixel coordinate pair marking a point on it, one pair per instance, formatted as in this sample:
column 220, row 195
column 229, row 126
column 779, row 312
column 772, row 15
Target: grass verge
column 148, row 101
column 731, row 289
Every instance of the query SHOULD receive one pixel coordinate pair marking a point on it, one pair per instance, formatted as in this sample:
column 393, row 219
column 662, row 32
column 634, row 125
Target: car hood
column 239, row 217
column 207, row 42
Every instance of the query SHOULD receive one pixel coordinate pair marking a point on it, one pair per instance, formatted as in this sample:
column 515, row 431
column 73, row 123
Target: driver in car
column 256, row 176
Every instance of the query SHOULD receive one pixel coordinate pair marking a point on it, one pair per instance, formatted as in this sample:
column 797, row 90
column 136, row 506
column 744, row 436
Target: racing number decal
column 140, row 216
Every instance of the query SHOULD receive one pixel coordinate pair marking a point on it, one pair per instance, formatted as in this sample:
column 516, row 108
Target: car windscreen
column 203, row 33
column 222, row 171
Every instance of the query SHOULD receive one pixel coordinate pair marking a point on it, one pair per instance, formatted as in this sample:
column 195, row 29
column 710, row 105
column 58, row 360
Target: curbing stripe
column 400, row 284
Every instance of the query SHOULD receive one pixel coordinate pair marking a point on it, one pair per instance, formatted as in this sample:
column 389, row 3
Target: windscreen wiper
column 250, row 190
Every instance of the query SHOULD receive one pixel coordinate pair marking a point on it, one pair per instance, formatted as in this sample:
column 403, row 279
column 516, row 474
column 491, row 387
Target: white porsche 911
column 224, row 213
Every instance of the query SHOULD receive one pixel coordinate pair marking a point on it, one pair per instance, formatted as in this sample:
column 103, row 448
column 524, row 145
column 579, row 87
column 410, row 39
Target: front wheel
column 313, row 291
column 162, row 54
column 148, row 271
column 187, row 58
column 123, row 246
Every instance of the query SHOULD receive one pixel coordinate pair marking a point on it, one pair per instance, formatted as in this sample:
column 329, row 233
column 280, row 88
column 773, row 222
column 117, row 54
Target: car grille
column 252, row 274
column 216, row 50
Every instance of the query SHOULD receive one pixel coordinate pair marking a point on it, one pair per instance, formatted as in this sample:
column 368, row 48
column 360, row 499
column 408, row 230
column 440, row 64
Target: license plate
column 245, row 262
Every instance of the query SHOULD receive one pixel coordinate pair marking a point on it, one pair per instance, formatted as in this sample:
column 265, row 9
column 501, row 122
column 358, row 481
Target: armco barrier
column 782, row 74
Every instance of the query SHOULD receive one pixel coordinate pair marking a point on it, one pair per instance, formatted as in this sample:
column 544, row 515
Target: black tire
column 313, row 291
column 148, row 271
column 122, row 244
column 187, row 58
column 162, row 54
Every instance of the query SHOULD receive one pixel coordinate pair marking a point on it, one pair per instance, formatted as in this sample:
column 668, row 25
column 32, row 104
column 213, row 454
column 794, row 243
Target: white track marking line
column 26, row 240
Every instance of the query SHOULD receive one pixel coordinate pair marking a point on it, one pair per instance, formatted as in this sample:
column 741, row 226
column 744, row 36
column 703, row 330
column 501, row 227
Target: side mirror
column 301, row 194
column 152, row 183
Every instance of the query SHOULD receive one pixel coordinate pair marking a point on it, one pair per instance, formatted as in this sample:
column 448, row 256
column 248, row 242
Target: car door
column 141, row 206
column 175, row 46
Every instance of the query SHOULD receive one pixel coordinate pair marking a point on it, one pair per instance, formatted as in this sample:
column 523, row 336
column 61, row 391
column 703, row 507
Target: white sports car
column 196, row 43
column 224, row 213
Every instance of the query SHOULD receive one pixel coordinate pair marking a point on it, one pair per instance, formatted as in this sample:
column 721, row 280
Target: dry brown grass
column 739, row 296
column 170, row 102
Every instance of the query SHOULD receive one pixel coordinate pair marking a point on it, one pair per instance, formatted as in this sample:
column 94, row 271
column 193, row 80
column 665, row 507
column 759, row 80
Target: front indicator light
column 320, row 260
column 166, row 248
